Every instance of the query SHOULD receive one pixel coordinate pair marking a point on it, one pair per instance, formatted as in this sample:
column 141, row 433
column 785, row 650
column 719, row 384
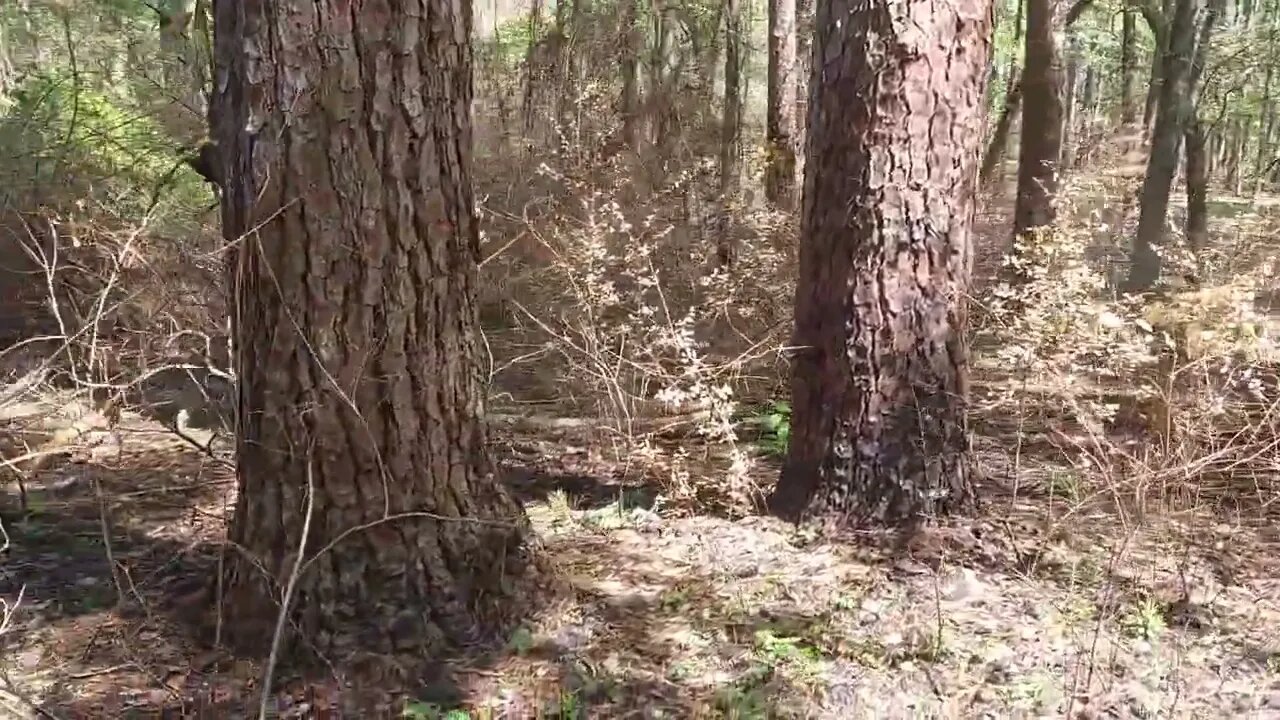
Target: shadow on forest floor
column 662, row 616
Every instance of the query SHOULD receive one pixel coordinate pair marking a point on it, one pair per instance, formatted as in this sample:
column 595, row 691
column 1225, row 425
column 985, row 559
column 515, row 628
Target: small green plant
column 742, row 703
column 775, row 428
column 1145, row 620
column 521, row 641
column 1065, row 485
column 792, row 655
column 416, row 710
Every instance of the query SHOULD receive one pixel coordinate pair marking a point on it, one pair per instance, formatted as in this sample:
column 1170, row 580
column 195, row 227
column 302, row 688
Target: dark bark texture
column 880, row 384
column 780, row 122
column 345, row 138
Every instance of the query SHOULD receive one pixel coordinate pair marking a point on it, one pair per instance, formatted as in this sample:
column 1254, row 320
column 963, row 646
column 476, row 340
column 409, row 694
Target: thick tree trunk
column 730, row 131
column 881, row 385
column 780, row 121
column 1166, row 147
column 1042, row 122
column 345, row 139
column 1128, row 66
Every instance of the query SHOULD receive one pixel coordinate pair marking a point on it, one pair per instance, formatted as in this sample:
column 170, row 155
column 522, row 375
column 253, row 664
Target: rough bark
column 780, row 120
column 345, row 140
column 880, row 385
column 1166, row 147
column 1042, row 121
column 1128, row 66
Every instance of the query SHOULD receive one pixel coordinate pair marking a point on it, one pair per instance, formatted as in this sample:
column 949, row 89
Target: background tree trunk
column 880, row 388
column 1197, row 225
column 1128, row 41
column 1042, row 119
column 731, row 129
column 630, row 100
column 345, row 143
column 993, row 158
column 1166, row 147
column 1197, row 220
column 780, row 123
column 1070, row 101
column 803, row 71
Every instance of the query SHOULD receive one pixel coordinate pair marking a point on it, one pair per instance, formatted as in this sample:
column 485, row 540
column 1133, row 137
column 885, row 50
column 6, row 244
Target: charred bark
column 345, row 143
column 880, row 387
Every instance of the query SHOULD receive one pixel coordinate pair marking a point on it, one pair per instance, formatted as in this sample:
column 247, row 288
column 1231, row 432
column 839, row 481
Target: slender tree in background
column 1042, row 121
column 803, row 71
column 731, row 129
column 1166, row 147
column 630, row 100
column 780, row 121
column 363, row 472
column 994, row 155
column 880, row 382
column 1197, row 163
column 1157, row 18
column 1128, row 39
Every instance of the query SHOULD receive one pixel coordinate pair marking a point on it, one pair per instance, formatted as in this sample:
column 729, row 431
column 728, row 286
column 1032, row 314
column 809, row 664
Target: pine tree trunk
column 345, row 141
column 880, row 387
column 780, row 121
column 1042, row 122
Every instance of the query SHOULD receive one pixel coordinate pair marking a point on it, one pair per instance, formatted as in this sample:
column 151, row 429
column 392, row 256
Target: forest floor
column 1026, row 611
column 1057, row 599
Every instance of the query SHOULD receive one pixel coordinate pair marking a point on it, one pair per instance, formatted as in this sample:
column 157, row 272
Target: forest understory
column 1095, row 581
column 315, row 252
